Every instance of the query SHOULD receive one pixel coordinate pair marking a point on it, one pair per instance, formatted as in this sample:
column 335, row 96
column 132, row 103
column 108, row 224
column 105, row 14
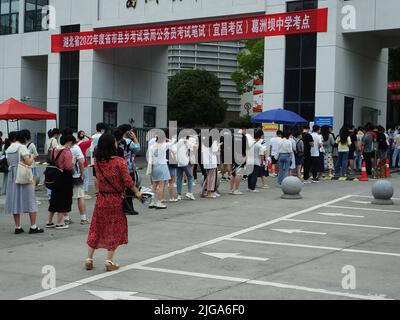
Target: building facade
column 219, row 58
column 340, row 74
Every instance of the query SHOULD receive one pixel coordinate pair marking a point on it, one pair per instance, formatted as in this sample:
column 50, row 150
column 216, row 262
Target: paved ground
column 272, row 249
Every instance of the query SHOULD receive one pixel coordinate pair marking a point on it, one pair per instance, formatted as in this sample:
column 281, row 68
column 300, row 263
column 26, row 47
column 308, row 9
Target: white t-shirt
column 158, row 153
column 77, row 156
column 184, row 147
column 274, row 143
column 254, row 154
column 209, row 156
column 317, row 142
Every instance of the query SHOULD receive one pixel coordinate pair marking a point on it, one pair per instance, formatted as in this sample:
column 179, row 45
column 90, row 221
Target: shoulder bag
column 24, row 173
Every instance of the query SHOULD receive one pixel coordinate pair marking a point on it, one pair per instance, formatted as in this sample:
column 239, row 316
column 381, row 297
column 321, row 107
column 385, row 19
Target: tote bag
column 24, row 173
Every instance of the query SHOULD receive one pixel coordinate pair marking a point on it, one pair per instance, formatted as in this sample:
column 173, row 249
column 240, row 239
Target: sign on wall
column 324, row 121
column 308, row 21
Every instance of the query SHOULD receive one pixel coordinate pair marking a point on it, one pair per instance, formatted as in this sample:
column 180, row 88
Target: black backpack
column 53, row 174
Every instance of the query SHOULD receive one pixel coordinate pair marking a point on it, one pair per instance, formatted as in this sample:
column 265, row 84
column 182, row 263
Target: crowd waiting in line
column 174, row 162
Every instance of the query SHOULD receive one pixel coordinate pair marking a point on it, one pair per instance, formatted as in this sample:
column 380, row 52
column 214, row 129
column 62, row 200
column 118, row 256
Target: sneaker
column 316, row 181
column 173, row 200
column 254, row 191
column 179, row 198
column 194, row 184
column 237, row 193
column 19, row 231
column 307, row 182
column 265, row 187
column 50, row 225
column 85, row 222
column 68, row 222
column 217, row 195
column 190, row 196
column 152, row 205
column 160, row 206
column 35, row 231
column 87, row 197
column 62, row 226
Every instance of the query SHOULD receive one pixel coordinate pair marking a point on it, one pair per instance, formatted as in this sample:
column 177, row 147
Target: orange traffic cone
column 364, row 176
column 387, row 169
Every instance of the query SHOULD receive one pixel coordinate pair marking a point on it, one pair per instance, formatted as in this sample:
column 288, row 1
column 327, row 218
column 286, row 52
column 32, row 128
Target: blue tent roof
column 279, row 116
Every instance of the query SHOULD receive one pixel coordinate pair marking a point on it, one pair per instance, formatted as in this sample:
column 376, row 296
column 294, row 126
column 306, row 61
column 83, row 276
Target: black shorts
column 274, row 160
column 351, row 155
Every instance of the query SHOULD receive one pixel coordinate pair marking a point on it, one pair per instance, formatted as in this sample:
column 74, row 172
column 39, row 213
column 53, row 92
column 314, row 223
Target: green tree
column 194, row 99
column 241, row 122
column 394, row 65
column 251, row 62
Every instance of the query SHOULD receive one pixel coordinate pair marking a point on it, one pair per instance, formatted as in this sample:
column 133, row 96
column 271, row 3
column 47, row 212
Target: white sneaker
column 179, row 198
column 307, row 182
column 194, row 184
column 217, row 195
column 254, row 191
column 160, row 206
column 190, row 196
column 173, row 200
column 62, row 226
column 237, row 193
column 152, row 205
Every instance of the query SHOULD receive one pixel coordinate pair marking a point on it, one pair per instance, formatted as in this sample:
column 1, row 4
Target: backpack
column 3, row 164
column 53, row 174
column 300, row 148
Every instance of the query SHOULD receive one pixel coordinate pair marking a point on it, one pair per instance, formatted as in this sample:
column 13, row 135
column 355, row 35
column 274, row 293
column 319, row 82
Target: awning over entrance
column 308, row 21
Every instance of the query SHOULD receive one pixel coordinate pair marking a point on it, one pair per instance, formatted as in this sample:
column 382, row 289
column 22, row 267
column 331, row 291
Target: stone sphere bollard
column 383, row 192
column 291, row 187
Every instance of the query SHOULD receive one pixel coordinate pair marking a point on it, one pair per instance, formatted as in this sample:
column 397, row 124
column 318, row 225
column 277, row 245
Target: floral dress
column 109, row 227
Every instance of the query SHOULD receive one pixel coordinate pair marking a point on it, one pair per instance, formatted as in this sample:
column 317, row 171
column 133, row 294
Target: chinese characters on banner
column 207, row 31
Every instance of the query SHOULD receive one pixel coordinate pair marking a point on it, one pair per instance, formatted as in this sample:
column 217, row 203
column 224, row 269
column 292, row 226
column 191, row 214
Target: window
column 69, row 84
column 348, row 111
column 149, row 117
column 9, row 13
column 110, row 114
column 300, row 67
column 34, row 15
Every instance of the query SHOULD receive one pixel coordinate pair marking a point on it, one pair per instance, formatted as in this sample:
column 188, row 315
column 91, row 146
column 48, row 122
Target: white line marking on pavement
column 224, row 256
column 285, row 244
column 364, row 209
column 339, row 215
column 78, row 283
column 344, row 224
column 117, row 295
column 370, row 197
column 291, row 231
column 361, row 202
column 266, row 283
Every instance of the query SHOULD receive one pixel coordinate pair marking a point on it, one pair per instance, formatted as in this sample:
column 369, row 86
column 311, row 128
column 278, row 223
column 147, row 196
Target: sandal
column 89, row 264
column 111, row 266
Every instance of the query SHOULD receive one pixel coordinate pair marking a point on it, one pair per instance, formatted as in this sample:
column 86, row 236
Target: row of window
column 35, row 18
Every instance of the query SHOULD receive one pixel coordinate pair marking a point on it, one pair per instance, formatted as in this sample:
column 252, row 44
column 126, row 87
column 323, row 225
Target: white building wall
column 347, row 65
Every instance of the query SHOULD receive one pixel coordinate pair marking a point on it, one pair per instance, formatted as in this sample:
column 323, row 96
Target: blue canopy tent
column 279, row 116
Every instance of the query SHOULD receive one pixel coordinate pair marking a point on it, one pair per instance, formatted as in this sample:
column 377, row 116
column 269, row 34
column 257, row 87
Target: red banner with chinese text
column 394, row 85
column 308, row 21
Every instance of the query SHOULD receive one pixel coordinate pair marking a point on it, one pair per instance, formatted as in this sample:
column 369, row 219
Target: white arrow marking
column 291, row 231
column 117, row 295
column 339, row 215
column 223, row 256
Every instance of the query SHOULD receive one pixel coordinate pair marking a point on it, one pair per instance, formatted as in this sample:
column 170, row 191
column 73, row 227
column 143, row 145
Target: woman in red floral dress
column 109, row 227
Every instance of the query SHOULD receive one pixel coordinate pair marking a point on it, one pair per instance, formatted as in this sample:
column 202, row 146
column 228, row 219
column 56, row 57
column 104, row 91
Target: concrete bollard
column 291, row 187
column 383, row 192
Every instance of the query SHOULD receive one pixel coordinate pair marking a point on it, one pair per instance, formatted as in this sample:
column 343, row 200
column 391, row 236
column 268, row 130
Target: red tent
column 15, row 110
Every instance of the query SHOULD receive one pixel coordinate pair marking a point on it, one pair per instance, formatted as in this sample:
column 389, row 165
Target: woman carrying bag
column 20, row 188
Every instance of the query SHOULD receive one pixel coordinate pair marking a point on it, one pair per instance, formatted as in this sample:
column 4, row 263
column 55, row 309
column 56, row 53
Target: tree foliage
column 251, row 62
column 241, row 122
column 194, row 99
